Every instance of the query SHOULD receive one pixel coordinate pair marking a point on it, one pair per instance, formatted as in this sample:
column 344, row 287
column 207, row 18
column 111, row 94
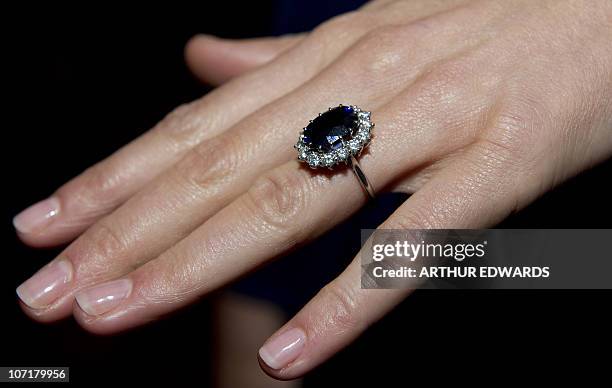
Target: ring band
column 336, row 136
column 363, row 180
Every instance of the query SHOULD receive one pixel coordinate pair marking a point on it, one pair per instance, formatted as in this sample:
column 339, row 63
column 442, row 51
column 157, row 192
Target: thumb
column 215, row 60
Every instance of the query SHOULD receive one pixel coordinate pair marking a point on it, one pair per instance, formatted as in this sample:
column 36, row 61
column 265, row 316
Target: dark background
column 82, row 81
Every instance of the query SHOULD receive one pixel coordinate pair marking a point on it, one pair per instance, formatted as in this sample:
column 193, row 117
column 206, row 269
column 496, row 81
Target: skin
column 480, row 107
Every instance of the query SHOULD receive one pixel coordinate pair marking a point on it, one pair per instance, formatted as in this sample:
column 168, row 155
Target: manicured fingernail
column 104, row 297
column 278, row 352
column 46, row 285
column 37, row 216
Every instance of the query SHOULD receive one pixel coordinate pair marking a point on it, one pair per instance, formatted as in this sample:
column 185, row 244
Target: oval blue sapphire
column 328, row 131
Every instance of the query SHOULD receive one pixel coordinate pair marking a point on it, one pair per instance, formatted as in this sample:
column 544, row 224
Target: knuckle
column 100, row 179
column 329, row 38
column 93, row 251
column 445, row 87
column 94, row 193
column 516, row 117
column 171, row 281
column 387, row 48
column 449, row 80
column 208, row 165
column 378, row 51
column 105, row 240
column 182, row 127
column 453, row 88
column 341, row 305
column 278, row 200
column 515, row 127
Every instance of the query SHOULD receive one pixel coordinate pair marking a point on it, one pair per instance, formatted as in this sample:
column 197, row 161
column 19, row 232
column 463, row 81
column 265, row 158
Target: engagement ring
column 336, row 136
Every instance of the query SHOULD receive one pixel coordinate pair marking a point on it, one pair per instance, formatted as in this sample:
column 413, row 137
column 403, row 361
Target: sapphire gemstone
column 328, row 131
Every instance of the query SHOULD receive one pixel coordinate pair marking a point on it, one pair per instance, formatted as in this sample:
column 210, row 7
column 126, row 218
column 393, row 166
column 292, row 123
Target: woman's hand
column 480, row 107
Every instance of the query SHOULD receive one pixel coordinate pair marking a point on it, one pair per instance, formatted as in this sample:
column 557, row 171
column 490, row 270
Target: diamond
column 342, row 153
column 302, row 154
column 313, row 160
column 355, row 146
column 328, row 160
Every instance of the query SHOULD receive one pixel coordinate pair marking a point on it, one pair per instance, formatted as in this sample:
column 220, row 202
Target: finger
column 477, row 191
column 215, row 61
column 282, row 209
column 101, row 188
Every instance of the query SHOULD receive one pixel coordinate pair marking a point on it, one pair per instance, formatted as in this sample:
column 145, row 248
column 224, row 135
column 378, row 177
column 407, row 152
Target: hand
column 480, row 107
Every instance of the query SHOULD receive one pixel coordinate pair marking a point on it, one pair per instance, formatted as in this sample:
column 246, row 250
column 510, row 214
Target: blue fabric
column 293, row 16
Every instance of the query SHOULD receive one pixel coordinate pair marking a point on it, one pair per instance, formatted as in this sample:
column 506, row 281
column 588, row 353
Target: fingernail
column 46, row 285
column 102, row 298
column 37, row 216
column 278, row 352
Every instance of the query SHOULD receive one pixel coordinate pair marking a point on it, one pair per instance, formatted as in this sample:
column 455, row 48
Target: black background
column 81, row 82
